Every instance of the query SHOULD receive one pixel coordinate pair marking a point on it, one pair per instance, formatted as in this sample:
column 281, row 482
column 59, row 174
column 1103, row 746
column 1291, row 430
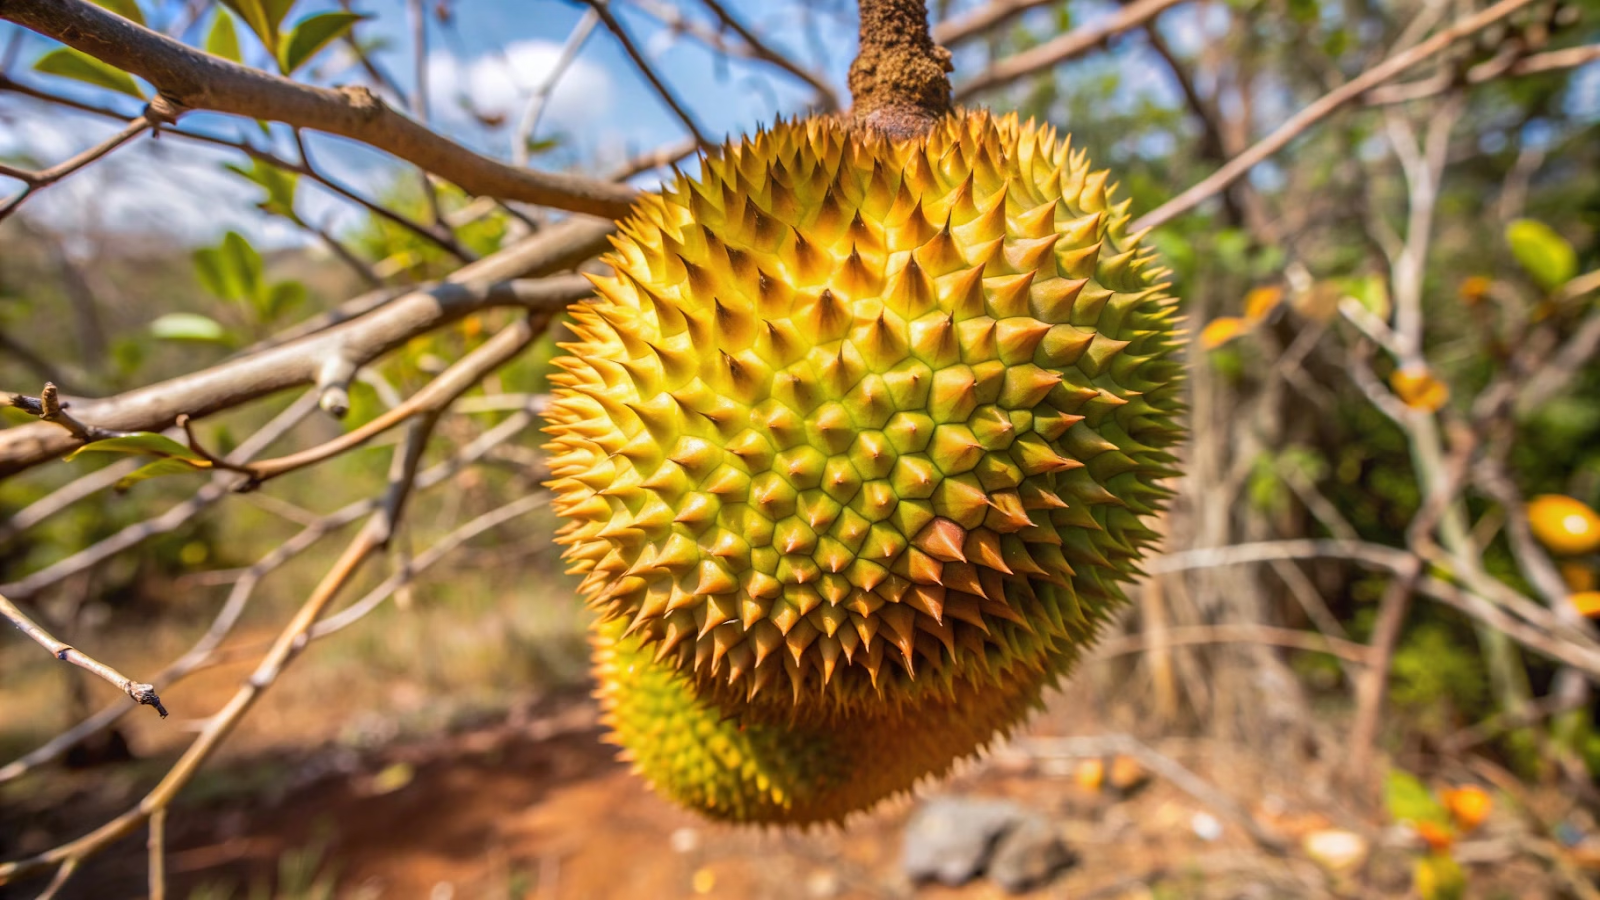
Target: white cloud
column 500, row 82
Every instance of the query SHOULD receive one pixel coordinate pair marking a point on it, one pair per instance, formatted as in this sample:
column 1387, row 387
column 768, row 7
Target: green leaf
column 128, row 9
column 254, row 15
column 210, row 268
column 1408, row 800
column 1372, row 292
column 1544, row 254
column 144, row 443
column 311, row 34
column 244, row 264
column 70, row 63
column 283, row 297
column 223, row 39
column 168, row 466
column 189, row 327
column 280, row 185
column 276, row 10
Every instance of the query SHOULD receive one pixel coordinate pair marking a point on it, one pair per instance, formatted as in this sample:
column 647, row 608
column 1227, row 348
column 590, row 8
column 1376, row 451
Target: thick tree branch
column 355, row 342
column 191, row 80
column 898, row 82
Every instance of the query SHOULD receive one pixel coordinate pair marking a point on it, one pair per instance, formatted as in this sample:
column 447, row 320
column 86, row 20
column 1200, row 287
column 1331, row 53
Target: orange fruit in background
column 1469, row 805
column 1090, row 774
column 1565, row 525
column 1579, row 577
column 1586, row 602
column 1437, row 837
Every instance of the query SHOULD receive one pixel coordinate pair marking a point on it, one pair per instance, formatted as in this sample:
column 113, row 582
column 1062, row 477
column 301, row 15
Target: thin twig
column 540, row 97
column 1489, row 70
column 1164, row 767
column 984, row 19
column 760, row 50
column 1319, row 109
column 37, row 181
column 1058, row 50
column 477, row 286
column 648, row 71
column 202, row 653
column 1236, row 633
column 48, row 407
column 194, row 80
column 141, row 693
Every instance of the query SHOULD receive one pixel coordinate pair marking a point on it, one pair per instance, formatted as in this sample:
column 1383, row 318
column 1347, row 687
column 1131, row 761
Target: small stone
column 1335, row 850
column 950, row 839
column 1029, row 856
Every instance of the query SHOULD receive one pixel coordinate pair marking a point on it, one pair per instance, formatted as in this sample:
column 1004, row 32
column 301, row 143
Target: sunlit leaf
column 1439, row 877
column 1260, row 302
column 282, row 298
column 1473, row 289
column 1221, row 330
column 1469, row 805
column 128, row 9
column 167, row 466
column 1419, row 389
column 144, row 443
column 1409, row 801
column 70, row 63
column 311, row 35
column 210, row 269
column 243, row 263
column 1372, row 292
column 189, row 327
column 1546, row 256
column 280, row 185
column 223, row 39
column 254, row 14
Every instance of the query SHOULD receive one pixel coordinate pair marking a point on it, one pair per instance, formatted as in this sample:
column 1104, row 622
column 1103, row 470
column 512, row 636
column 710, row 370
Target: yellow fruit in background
column 1586, row 602
column 1566, row 526
column 1469, row 805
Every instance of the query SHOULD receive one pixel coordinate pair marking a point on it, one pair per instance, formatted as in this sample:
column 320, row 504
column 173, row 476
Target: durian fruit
column 855, row 447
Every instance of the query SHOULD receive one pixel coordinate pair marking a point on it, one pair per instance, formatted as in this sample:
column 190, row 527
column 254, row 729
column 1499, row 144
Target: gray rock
column 950, row 839
column 1028, row 855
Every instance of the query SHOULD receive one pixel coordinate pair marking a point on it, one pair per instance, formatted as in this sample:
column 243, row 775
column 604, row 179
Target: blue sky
column 495, row 51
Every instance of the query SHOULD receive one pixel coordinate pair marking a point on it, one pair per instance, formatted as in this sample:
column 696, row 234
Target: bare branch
column 138, row 532
column 1165, row 767
column 360, row 340
column 36, row 181
column 982, row 20
column 1319, row 109
column 439, row 393
column 1058, row 50
column 140, row 692
column 1489, row 70
column 1237, row 632
column 189, row 79
column 760, row 50
column 648, row 71
column 540, row 96
column 49, row 408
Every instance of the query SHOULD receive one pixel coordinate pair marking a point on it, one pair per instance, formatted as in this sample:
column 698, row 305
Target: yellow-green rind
column 752, row 769
column 861, row 434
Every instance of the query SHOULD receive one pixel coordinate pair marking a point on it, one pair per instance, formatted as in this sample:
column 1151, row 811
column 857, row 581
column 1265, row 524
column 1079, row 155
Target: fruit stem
column 898, row 80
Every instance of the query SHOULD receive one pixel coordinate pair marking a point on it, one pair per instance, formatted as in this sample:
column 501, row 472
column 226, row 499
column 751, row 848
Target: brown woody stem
column 898, row 80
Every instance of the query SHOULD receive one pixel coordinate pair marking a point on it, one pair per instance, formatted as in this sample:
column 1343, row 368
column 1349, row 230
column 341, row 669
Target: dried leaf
column 1220, row 331
column 1419, row 389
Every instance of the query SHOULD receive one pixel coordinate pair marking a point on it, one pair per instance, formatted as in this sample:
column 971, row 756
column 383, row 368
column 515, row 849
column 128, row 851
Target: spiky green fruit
column 856, row 447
